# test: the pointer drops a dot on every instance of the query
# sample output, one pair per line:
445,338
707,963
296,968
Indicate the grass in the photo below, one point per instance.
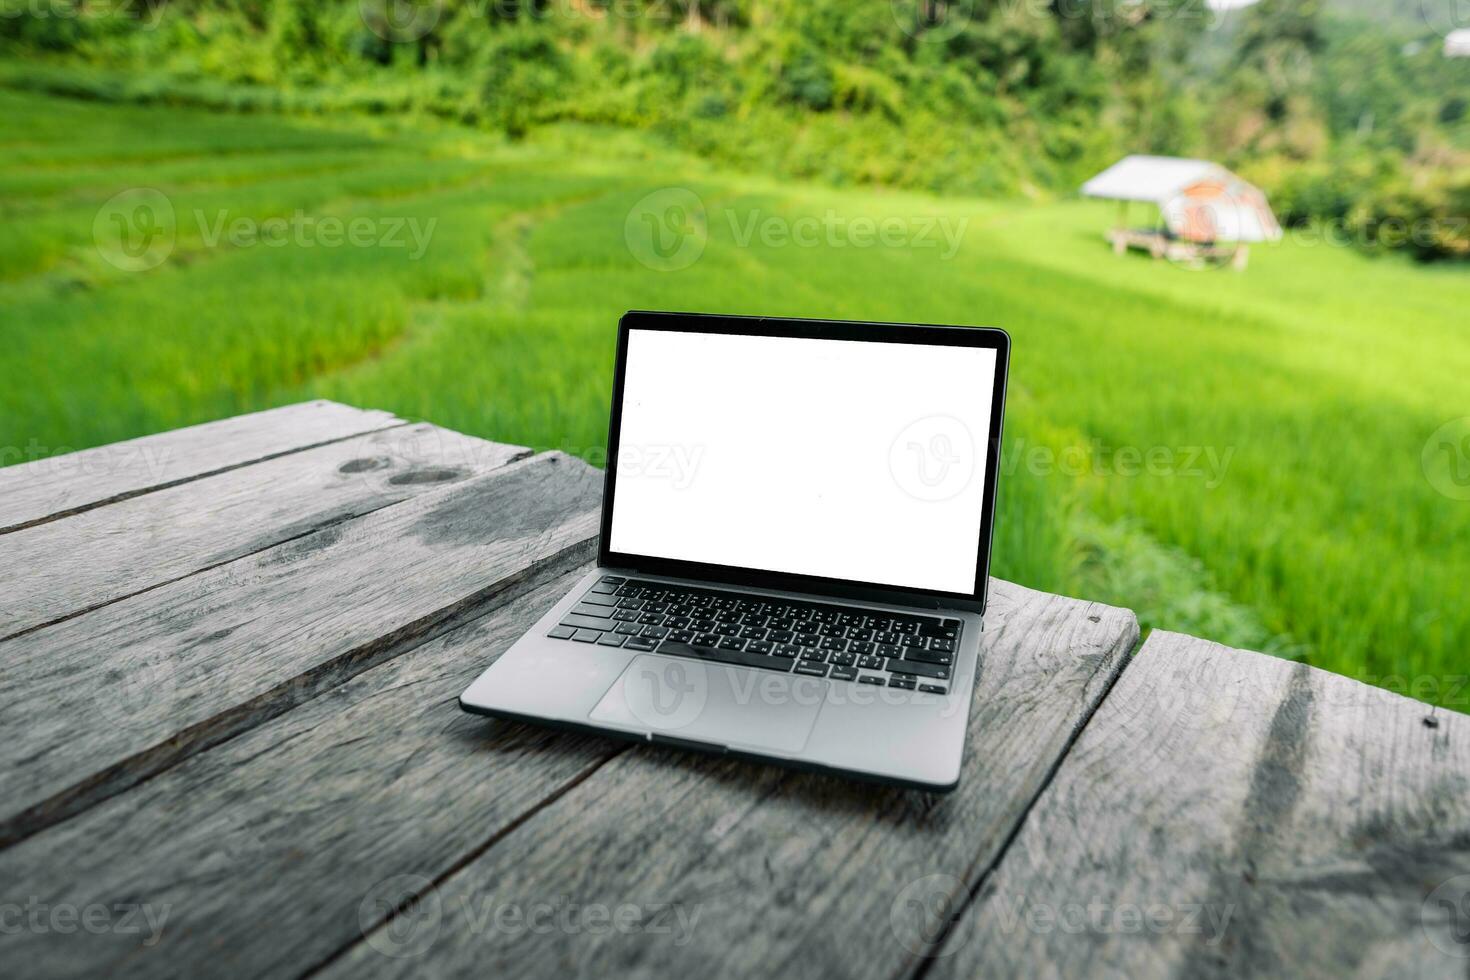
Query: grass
1236,456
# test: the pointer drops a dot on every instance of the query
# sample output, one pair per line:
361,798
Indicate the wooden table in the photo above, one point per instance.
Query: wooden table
231,747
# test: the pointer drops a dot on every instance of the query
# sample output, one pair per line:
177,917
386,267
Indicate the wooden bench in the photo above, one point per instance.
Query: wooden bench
1161,245
231,747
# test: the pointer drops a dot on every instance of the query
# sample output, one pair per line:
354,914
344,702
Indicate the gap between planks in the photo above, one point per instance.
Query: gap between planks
128,771
166,484
977,883
299,496
198,571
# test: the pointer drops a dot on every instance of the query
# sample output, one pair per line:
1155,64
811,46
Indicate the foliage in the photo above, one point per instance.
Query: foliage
1344,122
1004,96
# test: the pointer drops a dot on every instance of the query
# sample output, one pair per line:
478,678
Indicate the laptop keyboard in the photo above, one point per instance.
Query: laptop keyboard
863,646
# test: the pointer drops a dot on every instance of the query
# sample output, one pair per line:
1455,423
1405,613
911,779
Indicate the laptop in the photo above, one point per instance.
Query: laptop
795,549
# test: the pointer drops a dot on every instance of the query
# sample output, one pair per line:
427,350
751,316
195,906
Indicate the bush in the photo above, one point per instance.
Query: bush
523,73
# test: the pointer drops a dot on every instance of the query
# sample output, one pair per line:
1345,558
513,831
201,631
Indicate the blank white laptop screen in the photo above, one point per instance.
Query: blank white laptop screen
850,460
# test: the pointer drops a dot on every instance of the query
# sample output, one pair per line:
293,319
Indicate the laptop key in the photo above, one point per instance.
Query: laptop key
841,673
871,663
947,630
639,643
810,669
813,655
611,640
759,646
587,636
655,632
628,629
902,683
918,669
602,588
788,650
930,657
606,601
681,636
587,609
873,679
561,632
587,622
933,689
731,643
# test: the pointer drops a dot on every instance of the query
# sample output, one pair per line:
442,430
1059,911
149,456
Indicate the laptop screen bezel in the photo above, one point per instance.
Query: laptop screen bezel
890,333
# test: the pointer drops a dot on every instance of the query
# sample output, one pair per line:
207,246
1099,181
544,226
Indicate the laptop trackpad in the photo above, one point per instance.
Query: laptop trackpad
738,707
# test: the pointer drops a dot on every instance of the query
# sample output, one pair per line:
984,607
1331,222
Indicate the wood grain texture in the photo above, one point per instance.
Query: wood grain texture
73,482
721,868
67,566
1231,814
266,854
94,704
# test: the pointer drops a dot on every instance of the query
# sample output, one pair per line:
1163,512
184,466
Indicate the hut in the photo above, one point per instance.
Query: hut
1206,214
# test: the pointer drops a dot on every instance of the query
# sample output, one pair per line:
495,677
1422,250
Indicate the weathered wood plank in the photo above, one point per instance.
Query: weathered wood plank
60,568
761,872
261,856
72,482
1226,813
94,704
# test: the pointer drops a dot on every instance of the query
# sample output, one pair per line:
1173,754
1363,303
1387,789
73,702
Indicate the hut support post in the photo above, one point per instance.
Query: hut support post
1120,230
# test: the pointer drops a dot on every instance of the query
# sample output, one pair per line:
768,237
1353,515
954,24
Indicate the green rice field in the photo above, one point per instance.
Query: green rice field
1250,457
